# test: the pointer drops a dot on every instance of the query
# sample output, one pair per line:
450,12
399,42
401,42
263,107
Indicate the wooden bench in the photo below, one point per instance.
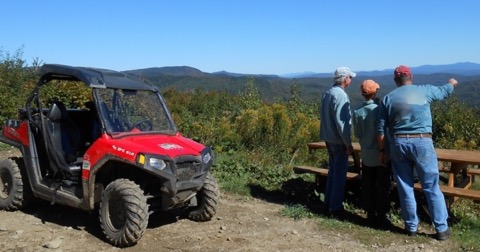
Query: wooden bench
301,169
467,176
461,167
454,191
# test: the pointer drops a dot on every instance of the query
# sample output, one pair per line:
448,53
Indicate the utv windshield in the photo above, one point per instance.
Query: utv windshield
133,111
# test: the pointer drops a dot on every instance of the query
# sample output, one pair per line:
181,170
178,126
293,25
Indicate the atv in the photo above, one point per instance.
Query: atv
121,155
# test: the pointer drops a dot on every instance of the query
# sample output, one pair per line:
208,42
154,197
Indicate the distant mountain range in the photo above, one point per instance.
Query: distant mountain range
274,87
463,68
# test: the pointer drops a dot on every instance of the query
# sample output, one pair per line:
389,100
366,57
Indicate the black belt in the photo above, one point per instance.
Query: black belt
414,135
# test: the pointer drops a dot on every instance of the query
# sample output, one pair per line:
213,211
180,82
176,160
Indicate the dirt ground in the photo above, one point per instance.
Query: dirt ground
241,224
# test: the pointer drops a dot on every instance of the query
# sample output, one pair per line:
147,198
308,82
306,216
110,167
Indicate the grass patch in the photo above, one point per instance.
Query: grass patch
296,211
236,185
4,147
466,226
466,233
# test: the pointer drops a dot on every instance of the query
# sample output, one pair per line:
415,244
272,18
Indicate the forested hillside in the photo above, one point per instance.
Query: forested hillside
275,88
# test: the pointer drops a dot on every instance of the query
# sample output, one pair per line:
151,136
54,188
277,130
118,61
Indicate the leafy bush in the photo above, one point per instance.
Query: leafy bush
72,94
16,79
456,125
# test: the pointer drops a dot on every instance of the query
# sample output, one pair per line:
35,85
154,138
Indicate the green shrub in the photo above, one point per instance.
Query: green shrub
16,80
456,125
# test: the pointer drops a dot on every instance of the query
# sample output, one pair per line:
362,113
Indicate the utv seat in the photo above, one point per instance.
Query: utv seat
65,136
94,124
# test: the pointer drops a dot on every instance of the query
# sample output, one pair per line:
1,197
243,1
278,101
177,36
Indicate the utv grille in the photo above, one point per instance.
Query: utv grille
187,170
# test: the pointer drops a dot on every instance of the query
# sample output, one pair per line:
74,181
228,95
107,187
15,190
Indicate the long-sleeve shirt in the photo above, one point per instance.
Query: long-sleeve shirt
364,122
335,117
406,110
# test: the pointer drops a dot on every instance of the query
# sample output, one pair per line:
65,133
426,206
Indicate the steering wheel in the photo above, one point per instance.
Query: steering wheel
143,125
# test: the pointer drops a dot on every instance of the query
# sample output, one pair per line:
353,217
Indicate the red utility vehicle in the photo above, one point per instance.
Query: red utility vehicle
122,155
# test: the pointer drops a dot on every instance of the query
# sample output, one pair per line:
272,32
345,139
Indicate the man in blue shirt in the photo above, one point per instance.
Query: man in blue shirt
406,113
376,180
335,130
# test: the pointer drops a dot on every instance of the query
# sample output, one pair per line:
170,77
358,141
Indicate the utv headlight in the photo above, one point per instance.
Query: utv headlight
152,163
157,163
206,158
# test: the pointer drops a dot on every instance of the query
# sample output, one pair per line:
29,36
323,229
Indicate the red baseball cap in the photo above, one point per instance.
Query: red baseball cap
402,71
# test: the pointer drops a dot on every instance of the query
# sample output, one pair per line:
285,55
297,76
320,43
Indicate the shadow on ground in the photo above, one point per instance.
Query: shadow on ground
89,221
66,216
309,194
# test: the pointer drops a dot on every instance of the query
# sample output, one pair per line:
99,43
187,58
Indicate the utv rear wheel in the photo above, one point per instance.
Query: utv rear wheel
11,186
123,213
208,200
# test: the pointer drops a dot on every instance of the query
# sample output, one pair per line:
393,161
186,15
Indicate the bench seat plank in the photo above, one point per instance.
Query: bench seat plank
455,191
473,171
300,169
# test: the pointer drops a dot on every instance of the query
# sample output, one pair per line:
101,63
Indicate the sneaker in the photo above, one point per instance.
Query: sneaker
443,235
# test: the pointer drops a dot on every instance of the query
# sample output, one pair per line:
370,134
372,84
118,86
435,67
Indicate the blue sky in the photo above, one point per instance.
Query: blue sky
255,37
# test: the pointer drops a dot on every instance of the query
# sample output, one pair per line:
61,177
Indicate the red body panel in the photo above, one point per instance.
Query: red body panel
129,147
18,134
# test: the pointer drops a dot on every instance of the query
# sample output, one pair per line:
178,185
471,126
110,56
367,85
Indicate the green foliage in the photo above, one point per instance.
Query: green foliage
241,170
247,127
72,94
251,97
16,79
256,143
4,147
241,121
456,125
467,227
231,175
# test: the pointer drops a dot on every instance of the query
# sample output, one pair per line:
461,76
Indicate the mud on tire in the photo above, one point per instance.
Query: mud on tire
123,213
13,191
208,200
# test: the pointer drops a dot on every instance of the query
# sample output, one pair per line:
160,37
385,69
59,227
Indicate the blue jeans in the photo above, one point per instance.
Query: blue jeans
337,176
406,155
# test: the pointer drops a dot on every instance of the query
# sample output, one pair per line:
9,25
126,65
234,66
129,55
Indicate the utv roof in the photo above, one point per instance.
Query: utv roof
93,77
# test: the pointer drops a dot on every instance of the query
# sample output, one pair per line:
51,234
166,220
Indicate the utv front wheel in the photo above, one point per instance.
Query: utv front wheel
11,186
123,213
208,199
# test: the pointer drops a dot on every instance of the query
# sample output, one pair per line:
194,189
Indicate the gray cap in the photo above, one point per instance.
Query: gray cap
344,72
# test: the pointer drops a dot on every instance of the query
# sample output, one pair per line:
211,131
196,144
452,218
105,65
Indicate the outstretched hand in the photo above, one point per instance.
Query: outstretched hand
453,81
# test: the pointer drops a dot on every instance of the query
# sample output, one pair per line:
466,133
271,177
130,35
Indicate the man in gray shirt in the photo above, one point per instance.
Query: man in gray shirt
335,130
